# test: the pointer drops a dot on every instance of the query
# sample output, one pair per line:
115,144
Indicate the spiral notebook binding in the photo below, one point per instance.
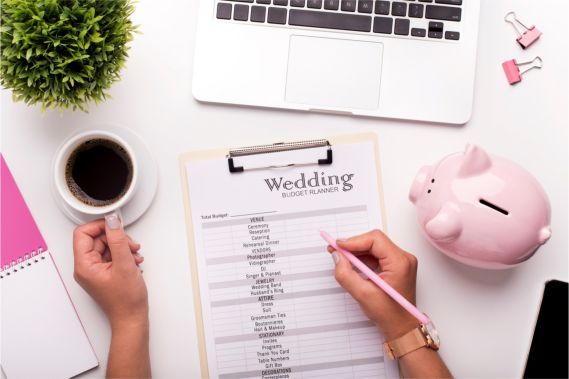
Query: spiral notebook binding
22,262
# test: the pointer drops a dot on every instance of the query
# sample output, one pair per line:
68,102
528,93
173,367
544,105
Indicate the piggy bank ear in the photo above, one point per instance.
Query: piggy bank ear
446,225
475,161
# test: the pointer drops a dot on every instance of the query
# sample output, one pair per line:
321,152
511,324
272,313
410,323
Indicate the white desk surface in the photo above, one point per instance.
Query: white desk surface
485,318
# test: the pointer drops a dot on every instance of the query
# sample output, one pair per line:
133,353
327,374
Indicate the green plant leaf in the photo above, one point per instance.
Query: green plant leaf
63,53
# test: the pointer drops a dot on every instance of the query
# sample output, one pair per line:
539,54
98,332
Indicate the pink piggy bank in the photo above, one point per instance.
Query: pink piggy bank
481,210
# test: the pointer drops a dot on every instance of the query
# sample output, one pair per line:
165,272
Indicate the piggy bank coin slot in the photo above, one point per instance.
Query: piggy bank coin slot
494,207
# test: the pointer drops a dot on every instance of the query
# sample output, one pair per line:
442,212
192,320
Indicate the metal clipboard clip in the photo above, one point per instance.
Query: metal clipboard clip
277,148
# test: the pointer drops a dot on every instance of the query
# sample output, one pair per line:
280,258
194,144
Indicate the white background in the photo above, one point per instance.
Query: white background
485,318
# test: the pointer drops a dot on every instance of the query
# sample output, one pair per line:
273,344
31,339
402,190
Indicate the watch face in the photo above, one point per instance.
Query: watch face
432,332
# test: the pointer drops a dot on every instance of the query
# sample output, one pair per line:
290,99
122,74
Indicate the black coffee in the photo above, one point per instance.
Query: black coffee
99,172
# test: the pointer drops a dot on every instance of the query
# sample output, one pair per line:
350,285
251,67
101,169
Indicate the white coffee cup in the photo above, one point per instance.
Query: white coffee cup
59,170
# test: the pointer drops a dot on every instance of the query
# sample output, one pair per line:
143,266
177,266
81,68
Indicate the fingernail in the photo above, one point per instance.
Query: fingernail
341,239
335,257
113,221
137,255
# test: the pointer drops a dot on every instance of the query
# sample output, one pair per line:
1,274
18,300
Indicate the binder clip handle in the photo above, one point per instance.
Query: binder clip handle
515,70
512,19
526,35
279,148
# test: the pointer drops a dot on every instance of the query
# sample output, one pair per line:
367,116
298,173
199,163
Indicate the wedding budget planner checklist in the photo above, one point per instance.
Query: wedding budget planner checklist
267,302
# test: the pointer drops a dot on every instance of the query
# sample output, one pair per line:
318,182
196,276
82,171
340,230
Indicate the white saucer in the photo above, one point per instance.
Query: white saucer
147,181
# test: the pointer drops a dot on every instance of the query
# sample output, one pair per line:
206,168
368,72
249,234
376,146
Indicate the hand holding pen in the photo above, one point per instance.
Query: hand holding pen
398,269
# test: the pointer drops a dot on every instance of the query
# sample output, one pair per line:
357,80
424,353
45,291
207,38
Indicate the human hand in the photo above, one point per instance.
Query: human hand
397,267
106,266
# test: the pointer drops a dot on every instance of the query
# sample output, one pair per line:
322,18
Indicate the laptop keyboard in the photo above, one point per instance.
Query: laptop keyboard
421,19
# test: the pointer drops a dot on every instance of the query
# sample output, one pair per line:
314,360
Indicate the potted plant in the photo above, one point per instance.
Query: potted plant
63,53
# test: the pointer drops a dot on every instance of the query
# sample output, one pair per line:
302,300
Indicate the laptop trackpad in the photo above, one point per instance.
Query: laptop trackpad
334,73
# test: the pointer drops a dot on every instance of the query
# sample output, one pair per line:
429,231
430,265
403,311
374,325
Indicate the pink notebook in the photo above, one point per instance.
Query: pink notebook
20,234
40,333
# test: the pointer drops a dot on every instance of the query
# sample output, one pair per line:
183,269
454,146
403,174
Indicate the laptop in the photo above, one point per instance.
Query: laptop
408,59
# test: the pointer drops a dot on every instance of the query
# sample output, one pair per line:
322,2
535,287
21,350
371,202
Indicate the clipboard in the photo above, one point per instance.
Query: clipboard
233,165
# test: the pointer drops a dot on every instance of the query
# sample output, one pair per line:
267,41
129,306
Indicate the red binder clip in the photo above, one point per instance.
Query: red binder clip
512,69
526,36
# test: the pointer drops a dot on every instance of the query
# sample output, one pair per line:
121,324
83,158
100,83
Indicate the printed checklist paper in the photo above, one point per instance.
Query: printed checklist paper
270,305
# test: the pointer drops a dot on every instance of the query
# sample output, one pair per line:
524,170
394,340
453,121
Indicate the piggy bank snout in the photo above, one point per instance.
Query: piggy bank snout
419,183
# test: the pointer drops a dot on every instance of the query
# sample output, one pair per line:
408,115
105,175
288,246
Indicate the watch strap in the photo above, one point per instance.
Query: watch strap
405,344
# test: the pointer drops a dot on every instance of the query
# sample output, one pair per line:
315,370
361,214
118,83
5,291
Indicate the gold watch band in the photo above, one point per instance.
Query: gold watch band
405,344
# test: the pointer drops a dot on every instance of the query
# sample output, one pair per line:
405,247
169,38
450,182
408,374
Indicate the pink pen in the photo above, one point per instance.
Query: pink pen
423,319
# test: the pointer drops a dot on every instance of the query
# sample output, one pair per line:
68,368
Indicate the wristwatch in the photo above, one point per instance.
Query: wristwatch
423,335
